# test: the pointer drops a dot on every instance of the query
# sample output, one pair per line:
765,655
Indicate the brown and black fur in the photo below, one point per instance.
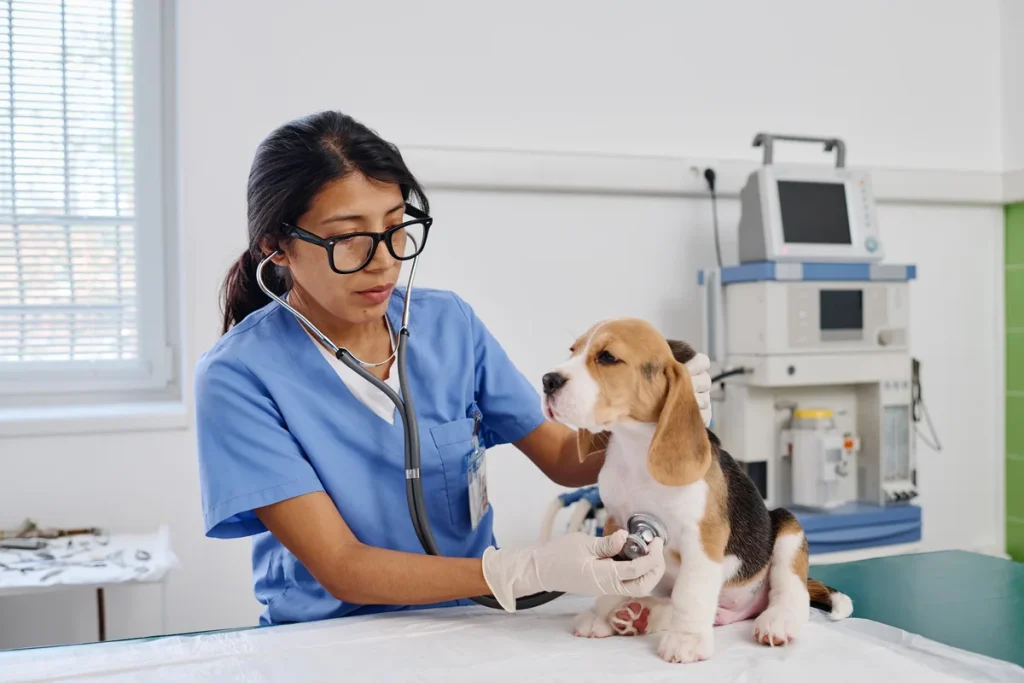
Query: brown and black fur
747,511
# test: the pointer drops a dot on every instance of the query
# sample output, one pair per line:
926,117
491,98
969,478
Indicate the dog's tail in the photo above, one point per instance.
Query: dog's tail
837,605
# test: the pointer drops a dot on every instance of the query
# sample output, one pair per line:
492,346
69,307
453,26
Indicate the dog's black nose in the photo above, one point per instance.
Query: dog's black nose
553,381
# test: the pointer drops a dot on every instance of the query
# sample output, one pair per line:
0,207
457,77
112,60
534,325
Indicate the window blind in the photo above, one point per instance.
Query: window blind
67,182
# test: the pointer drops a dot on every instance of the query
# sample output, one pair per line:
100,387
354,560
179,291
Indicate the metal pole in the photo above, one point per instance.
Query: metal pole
101,615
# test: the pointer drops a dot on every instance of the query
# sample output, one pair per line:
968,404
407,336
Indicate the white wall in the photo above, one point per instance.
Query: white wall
907,84
911,84
1012,32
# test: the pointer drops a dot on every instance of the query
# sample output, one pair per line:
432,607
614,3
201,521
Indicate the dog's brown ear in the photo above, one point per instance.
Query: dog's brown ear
681,351
680,452
588,443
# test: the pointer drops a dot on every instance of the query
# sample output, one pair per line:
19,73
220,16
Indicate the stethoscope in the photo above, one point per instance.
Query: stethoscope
642,528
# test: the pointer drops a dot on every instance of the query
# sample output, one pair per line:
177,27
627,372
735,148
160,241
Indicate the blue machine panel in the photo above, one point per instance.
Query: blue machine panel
852,526
820,272
859,525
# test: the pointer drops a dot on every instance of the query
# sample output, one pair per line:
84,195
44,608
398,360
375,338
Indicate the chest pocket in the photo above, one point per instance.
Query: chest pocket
454,443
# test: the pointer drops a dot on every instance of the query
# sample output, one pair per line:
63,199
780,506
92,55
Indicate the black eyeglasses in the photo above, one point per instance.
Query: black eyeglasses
351,252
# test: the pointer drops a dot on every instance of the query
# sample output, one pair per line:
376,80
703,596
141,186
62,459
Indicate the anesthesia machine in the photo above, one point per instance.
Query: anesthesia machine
819,397
812,330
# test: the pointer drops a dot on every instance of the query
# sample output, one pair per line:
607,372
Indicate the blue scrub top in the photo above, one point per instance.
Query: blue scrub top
275,421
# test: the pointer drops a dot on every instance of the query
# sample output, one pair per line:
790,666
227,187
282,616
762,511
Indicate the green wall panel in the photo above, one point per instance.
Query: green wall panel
1014,249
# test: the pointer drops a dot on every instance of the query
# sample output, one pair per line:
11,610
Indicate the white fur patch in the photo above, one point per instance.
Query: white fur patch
627,487
575,402
842,606
730,567
590,624
789,603
786,587
694,602
685,648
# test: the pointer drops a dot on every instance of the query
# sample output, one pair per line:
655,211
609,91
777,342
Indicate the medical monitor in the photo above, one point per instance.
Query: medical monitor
808,215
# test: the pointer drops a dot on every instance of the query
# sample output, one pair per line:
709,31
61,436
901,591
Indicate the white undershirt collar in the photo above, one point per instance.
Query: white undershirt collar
369,395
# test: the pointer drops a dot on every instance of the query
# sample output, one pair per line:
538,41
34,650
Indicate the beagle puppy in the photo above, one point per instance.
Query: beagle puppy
626,389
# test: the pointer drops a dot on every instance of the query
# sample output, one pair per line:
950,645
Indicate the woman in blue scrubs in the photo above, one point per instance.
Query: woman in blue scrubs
299,452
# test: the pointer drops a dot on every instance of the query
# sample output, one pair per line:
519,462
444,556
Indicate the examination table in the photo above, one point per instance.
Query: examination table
934,617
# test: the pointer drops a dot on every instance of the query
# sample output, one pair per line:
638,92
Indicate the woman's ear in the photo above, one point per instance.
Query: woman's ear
279,259
680,452
589,443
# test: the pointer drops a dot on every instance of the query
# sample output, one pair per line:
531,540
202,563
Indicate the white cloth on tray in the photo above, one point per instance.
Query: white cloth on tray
86,560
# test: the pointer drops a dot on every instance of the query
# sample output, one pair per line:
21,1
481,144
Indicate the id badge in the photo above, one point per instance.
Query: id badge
476,471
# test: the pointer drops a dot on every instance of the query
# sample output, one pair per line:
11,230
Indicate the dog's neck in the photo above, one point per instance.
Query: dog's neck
634,435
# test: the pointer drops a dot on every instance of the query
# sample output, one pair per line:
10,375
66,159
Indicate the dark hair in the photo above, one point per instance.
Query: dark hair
289,169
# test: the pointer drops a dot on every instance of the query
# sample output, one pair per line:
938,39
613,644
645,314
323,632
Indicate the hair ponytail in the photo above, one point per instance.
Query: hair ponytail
290,168
241,293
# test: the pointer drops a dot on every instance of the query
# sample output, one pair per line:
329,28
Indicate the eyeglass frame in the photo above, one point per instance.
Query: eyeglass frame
328,243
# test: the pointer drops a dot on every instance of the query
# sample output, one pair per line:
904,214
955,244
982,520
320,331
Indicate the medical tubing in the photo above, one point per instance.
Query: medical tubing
411,463
412,457
554,507
266,290
728,373
413,475
709,176
413,481
579,515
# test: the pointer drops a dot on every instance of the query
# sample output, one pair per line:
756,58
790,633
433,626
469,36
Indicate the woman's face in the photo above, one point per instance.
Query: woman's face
354,203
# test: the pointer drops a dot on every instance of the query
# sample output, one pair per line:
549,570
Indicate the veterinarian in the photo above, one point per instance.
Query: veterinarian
304,455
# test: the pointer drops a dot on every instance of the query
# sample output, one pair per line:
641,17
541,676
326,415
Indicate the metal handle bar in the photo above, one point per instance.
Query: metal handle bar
767,140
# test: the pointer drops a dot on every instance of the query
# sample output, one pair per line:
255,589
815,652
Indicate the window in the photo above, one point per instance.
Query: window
81,185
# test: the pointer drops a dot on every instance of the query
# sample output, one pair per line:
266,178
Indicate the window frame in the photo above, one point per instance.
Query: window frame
153,373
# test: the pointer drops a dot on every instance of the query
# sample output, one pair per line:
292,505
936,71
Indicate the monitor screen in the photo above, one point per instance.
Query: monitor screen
841,309
814,213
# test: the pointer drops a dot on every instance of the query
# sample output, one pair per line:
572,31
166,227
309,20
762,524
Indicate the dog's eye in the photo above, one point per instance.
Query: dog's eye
606,358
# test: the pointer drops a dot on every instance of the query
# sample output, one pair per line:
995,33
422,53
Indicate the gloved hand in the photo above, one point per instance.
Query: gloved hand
698,367
572,563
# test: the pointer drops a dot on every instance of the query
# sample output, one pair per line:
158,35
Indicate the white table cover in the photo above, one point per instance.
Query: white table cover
478,645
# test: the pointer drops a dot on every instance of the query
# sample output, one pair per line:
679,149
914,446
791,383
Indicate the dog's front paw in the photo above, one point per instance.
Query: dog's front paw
631,619
778,625
590,625
641,616
677,646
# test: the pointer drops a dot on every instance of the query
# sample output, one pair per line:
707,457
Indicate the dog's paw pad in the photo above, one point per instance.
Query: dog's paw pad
778,625
684,647
589,625
631,620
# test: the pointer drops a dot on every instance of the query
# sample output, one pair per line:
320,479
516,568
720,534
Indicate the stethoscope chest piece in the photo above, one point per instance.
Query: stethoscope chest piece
643,529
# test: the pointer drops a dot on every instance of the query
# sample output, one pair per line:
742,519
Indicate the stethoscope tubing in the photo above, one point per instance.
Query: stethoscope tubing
404,405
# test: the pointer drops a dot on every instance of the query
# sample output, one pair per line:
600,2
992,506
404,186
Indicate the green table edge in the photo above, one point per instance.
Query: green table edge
967,600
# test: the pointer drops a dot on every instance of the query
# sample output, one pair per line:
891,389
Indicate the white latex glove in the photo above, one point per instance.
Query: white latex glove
572,563
698,367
